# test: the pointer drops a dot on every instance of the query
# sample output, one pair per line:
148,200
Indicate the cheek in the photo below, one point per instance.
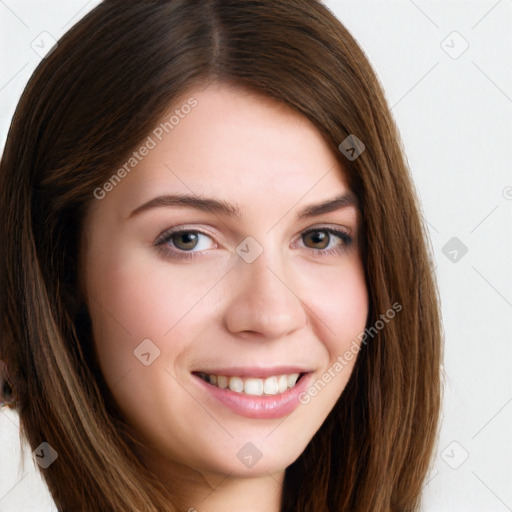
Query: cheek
341,312
134,303
341,304
145,296
128,304
134,298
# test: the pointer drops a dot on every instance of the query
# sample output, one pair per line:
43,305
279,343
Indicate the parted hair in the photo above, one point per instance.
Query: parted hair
85,109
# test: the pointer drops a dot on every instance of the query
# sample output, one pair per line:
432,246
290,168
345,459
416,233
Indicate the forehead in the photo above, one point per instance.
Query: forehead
237,145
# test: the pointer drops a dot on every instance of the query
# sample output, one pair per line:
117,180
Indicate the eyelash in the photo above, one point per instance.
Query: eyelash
163,239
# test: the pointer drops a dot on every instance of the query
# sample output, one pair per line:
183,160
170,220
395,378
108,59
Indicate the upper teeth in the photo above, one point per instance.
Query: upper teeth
253,386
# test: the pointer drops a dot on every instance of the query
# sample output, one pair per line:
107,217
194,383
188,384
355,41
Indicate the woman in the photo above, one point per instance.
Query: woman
292,363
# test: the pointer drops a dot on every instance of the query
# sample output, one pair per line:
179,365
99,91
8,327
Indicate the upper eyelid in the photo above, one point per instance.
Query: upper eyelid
188,228
161,238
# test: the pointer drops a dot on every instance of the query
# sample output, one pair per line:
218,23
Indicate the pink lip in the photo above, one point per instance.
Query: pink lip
256,372
264,406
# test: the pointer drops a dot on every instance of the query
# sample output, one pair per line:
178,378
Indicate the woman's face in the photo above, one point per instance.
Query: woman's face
246,300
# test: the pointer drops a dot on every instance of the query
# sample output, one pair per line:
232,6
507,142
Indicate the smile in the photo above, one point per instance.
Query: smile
272,385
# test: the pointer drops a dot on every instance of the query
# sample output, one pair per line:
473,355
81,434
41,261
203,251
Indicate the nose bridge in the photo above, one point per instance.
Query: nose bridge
263,299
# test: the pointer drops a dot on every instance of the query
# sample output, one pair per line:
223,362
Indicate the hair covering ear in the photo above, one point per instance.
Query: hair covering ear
7,391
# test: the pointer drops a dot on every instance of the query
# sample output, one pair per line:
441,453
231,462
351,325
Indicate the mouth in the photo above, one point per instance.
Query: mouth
255,392
255,386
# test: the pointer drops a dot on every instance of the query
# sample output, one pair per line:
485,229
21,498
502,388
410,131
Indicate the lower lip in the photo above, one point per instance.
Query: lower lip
263,406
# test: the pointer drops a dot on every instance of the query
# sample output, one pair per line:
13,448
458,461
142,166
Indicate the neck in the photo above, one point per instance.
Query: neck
257,494
197,491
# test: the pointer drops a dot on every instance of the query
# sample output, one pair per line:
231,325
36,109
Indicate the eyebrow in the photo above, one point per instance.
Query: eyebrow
214,205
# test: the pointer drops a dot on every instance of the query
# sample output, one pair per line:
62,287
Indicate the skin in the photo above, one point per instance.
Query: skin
217,310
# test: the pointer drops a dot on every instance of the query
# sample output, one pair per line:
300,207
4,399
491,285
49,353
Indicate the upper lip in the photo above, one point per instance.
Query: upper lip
254,371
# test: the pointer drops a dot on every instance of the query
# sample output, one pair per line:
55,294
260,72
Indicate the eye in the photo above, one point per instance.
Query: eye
183,241
327,240
191,243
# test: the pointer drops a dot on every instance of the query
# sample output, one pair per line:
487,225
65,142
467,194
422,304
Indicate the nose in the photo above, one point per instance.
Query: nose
263,302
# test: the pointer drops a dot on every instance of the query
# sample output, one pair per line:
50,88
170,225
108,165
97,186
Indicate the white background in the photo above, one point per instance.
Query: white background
455,118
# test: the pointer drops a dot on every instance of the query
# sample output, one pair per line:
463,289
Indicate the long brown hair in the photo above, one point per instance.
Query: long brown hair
85,109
